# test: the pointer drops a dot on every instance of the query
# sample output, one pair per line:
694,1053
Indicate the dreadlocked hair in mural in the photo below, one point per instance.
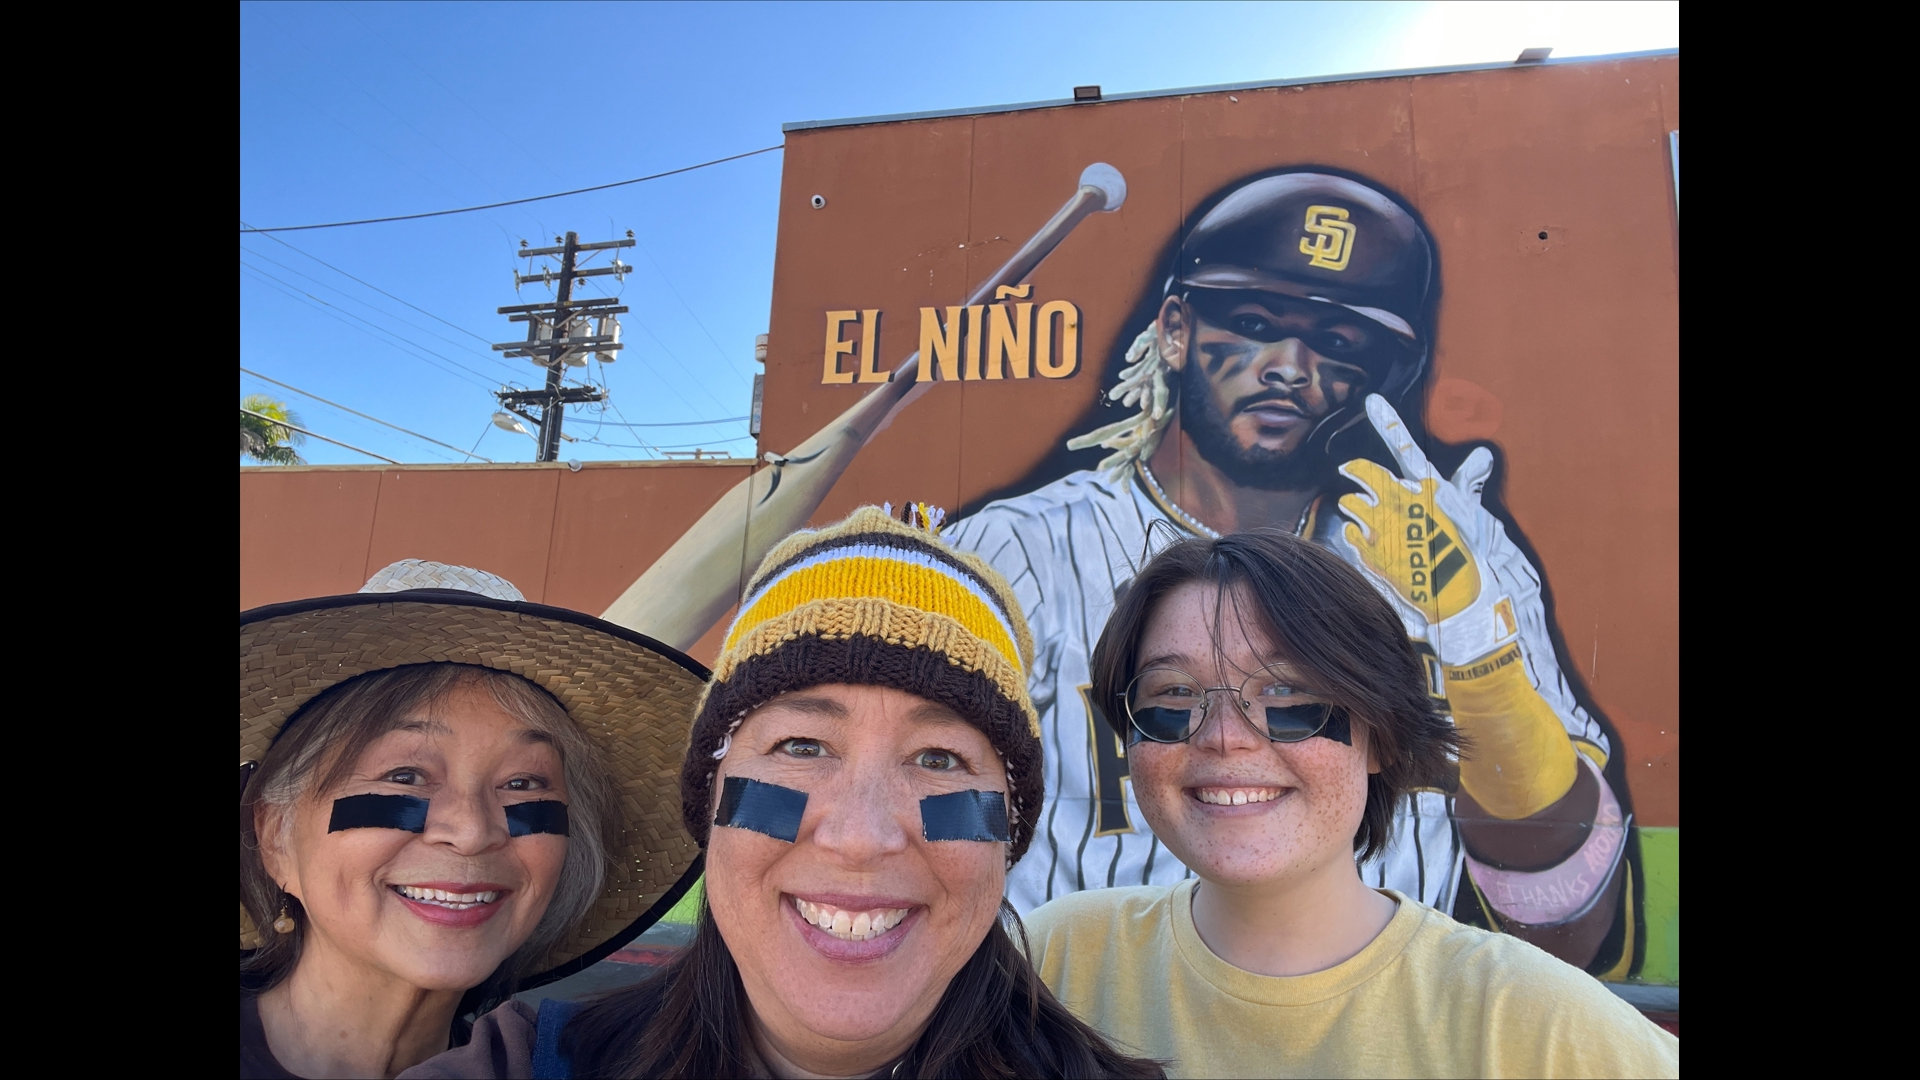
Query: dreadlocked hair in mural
1143,385
917,515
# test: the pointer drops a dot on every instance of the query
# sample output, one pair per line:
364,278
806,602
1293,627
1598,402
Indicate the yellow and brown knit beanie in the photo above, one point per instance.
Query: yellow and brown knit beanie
876,602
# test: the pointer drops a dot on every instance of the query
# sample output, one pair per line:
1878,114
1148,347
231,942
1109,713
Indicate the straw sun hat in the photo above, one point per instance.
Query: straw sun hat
632,696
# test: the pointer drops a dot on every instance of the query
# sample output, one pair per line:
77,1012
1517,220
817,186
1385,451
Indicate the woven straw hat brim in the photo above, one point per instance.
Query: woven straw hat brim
634,697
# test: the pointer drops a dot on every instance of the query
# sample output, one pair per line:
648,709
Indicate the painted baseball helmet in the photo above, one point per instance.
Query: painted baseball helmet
1315,236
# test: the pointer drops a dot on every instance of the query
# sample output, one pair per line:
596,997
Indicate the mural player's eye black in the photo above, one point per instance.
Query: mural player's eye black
1332,344
1257,327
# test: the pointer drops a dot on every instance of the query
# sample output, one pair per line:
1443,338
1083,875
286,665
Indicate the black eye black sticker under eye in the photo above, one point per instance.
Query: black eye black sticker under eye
409,814
403,812
541,816
761,808
964,815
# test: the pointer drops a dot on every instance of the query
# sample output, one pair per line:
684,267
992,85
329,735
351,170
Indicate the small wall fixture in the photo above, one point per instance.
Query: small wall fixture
1533,56
1086,93
819,202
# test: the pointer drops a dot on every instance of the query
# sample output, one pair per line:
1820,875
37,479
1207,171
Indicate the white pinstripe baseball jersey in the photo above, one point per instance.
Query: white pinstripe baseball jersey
1067,548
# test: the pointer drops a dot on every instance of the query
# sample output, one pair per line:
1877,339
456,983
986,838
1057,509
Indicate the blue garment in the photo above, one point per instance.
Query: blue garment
549,1062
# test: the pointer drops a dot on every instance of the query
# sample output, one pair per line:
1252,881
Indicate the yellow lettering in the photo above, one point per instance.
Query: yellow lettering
836,348
870,347
1010,339
939,345
1069,340
976,316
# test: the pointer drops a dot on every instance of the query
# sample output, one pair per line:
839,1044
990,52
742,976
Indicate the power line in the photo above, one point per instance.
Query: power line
676,446
514,202
375,288
317,435
377,308
558,332
376,326
616,408
689,307
361,415
681,423
334,313
334,69
685,368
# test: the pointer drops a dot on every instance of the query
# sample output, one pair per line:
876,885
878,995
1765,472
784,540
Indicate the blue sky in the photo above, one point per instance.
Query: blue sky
365,110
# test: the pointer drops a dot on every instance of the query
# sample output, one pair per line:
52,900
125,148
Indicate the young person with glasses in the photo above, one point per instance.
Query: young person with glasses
1274,712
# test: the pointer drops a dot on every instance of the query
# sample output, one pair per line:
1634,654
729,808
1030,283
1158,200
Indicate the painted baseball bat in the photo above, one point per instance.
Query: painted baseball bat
695,581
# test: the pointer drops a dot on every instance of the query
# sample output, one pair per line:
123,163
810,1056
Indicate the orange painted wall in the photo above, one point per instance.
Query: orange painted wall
1565,353
571,539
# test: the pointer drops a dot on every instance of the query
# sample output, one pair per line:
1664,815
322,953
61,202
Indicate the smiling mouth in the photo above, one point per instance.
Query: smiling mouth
850,925
1236,796
441,898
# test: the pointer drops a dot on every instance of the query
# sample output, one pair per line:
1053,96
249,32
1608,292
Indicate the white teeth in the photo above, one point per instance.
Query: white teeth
443,898
849,925
1235,796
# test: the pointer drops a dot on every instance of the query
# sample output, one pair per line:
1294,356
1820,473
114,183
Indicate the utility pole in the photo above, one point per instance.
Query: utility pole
558,336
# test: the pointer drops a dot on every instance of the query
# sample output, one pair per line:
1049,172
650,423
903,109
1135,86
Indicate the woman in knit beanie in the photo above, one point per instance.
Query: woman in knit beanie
864,768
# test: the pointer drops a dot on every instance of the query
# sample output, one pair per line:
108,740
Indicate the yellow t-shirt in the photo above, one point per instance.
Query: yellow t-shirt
1428,997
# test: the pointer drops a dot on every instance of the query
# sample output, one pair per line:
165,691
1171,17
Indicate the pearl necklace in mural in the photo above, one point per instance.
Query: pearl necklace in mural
1195,525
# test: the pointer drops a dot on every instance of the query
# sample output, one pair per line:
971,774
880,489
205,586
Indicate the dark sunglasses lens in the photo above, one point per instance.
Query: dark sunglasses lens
1292,723
1163,725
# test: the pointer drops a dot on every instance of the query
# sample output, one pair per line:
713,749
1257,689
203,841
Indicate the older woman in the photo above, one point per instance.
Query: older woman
863,770
424,828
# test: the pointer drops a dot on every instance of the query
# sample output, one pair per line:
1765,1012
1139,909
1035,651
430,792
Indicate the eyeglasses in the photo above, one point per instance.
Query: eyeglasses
1167,705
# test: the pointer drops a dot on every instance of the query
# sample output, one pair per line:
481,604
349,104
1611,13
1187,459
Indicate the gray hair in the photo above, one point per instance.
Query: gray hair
317,749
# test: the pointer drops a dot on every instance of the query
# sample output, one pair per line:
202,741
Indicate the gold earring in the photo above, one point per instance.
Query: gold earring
284,924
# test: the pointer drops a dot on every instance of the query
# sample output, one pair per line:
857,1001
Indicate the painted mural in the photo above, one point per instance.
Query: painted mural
1273,377
1262,360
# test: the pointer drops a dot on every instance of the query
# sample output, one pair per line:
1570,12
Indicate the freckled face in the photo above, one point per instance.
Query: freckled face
1299,804
442,908
902,914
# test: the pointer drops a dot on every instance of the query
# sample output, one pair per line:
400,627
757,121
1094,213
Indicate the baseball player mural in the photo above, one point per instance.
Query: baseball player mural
1273,388
1274,379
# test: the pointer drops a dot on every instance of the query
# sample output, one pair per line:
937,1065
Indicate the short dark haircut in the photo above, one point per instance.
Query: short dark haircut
1326,619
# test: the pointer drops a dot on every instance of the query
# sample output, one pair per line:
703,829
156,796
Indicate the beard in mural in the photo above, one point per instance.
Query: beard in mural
1249,415
1295,323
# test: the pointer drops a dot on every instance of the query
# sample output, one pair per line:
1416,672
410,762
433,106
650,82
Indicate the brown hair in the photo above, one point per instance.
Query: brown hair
996,1019
1323,616
317,750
